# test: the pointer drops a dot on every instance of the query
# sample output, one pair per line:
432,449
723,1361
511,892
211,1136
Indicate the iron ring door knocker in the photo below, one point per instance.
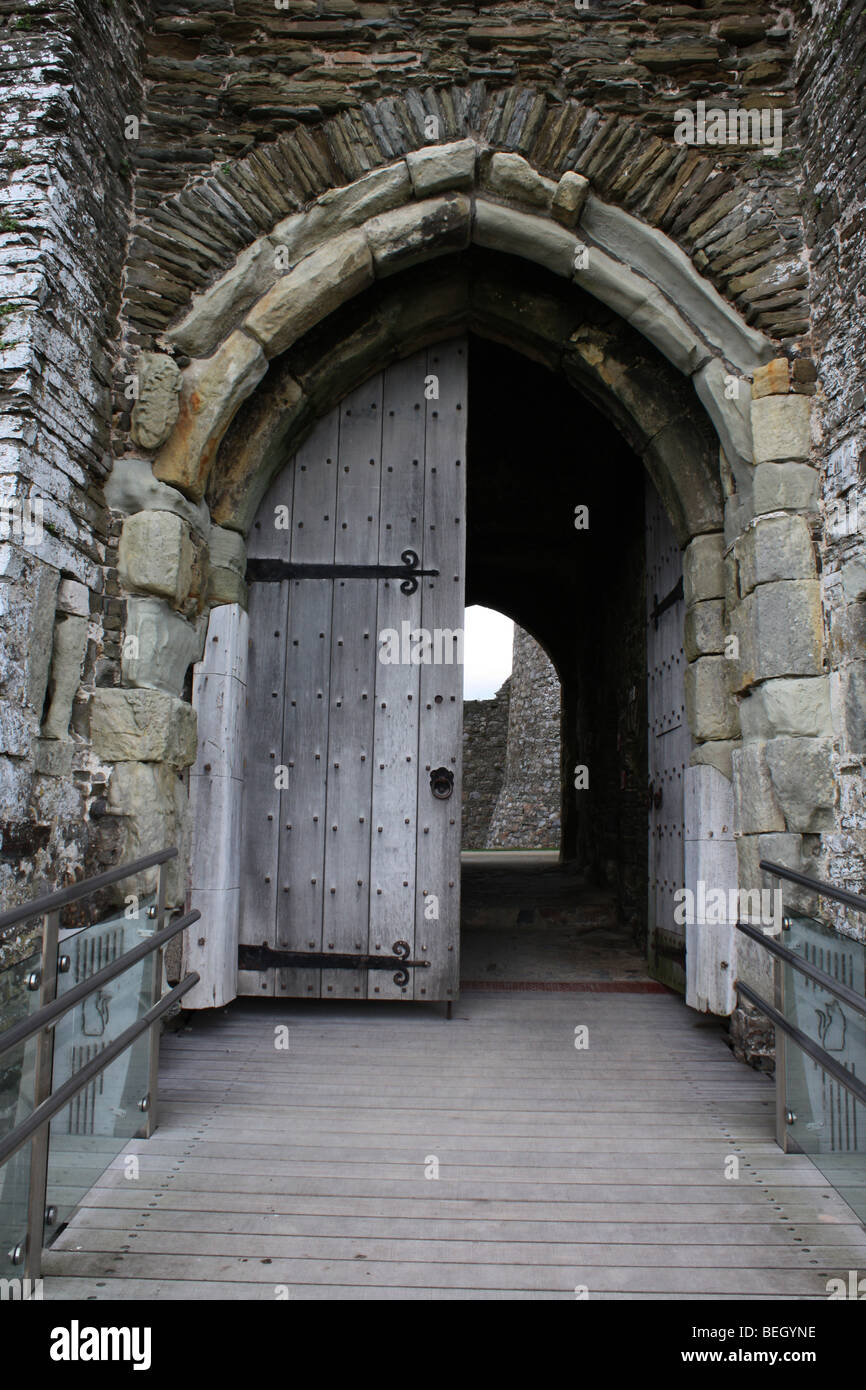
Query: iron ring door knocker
441,783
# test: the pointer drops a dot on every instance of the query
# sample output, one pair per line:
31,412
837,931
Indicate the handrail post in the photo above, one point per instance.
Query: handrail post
781,1051
42,1085
155,993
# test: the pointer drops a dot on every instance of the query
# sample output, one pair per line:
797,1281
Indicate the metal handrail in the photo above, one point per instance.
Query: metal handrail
774,1013
826,890
856,1001
50,1013
67,1092
35,1129
814,1050
52,902
56,1101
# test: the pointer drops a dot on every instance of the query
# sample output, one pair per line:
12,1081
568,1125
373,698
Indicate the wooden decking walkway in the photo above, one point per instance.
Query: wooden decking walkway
302,1173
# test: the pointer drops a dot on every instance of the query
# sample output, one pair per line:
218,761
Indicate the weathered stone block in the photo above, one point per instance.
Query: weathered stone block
304,296
218,309
511,176
412,234
155,555
754,963
151,802
847,633
53,757
340,209
802,773
704,629
659,321
717,753
797,705
133,488
255,448
569,198
70,642
156,409
73,598
792,851
227,550
804,376
142,726
212,390
784,487
775,548
710,709
31,625
773,379
521,234
159,645
779,631
440,167
703,569
780,428
853,684
756,808
854,580
15,733
656,257
732,417
226,586
610,281
686,485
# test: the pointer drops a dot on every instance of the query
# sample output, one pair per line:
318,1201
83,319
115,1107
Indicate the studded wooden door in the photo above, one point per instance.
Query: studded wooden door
669,741
354,714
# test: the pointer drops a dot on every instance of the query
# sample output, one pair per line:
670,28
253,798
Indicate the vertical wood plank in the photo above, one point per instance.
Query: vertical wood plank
395,745
353,684
669,744
441,693
263,750
305,723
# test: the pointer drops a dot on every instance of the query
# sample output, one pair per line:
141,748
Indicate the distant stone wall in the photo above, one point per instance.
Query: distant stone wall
485,744
527,812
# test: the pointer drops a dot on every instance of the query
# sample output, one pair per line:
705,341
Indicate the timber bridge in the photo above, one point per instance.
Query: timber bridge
551,1140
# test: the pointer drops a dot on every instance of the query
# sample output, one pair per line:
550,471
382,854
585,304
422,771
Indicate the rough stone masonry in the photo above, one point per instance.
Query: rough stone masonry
155,159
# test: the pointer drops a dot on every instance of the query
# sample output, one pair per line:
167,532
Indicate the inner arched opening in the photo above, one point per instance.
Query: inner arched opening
555,540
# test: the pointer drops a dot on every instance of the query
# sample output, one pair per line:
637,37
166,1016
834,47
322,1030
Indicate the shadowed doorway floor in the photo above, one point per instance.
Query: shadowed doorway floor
526,918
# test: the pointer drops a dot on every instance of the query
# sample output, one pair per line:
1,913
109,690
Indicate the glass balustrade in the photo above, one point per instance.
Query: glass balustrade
93,1129
19,997
823,1119
76,1090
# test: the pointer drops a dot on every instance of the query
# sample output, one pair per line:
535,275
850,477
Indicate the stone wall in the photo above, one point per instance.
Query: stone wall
485,747
253,109
66,193
527,811
832,97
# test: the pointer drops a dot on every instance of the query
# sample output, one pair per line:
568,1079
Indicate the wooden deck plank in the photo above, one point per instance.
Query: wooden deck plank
557,1167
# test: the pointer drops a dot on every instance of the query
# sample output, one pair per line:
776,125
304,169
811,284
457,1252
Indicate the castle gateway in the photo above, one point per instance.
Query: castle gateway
340,321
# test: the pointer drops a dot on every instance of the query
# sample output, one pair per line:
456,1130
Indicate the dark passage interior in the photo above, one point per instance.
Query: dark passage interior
536,452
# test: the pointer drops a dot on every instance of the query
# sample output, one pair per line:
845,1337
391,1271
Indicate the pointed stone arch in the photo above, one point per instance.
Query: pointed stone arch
457,236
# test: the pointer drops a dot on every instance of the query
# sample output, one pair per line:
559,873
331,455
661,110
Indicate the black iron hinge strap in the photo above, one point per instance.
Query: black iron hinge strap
270,958
275,571
667,602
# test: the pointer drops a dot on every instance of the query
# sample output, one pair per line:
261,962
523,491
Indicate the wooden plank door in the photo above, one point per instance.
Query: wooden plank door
355,697
669,741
